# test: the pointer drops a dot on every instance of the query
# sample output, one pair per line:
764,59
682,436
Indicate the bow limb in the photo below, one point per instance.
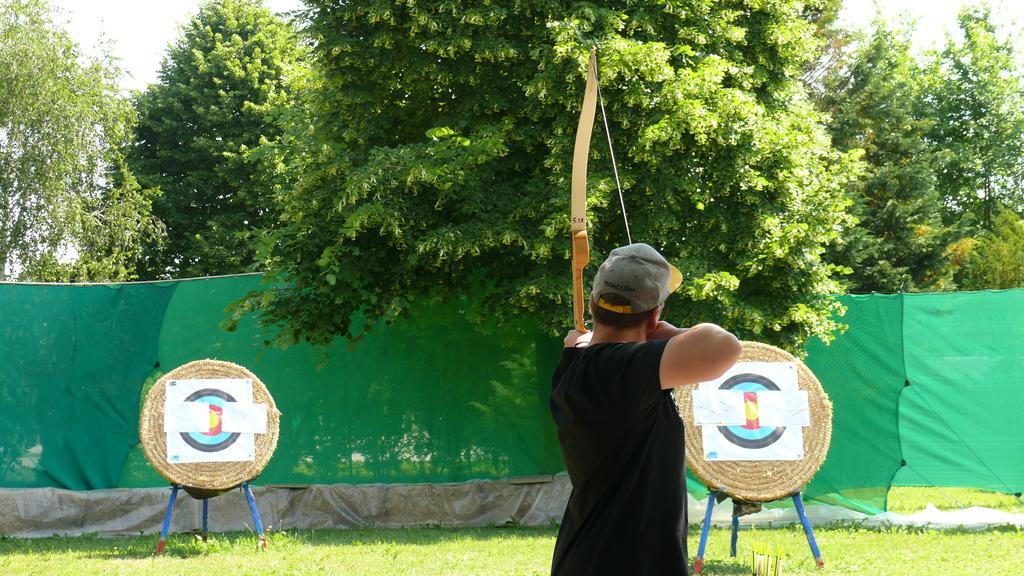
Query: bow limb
581,152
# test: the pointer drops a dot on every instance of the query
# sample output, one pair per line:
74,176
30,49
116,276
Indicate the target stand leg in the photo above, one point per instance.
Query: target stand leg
167,520
206,517
735,535
808,531
255,514
705,528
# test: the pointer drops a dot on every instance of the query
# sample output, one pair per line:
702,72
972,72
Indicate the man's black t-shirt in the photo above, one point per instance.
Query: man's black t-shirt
622,441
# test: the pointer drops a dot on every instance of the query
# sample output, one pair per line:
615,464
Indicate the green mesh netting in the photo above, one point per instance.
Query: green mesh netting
436,399
862,372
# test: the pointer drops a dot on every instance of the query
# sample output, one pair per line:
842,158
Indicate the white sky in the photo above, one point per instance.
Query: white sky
935,18
140,30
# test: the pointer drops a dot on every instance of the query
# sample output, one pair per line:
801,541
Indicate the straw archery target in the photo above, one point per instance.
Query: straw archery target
761,431
209,425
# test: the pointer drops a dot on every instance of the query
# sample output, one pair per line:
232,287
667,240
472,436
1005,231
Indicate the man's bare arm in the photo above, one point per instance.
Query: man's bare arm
575,339
696,354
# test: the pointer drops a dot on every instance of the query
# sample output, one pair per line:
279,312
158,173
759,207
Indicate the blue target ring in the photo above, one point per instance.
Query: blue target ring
744,437
207,442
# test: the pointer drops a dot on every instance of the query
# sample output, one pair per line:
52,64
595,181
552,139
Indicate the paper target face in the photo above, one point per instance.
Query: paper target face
212,420
214,439
755,411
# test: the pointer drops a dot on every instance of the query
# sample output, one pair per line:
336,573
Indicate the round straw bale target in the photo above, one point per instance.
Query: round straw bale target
213,475
763,480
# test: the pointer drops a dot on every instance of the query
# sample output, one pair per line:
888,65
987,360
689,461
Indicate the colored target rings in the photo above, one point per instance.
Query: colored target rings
751,435
213,440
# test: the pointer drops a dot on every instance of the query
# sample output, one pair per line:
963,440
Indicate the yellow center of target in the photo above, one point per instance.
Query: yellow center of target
751,410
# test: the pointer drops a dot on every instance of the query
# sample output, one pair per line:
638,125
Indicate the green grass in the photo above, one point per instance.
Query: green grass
350,552
501,551
909,500
526,551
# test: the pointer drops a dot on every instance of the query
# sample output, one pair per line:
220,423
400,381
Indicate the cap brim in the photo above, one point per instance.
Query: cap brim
675,278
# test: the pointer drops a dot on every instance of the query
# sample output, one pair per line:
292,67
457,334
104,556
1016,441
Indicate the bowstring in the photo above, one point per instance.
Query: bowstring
611,152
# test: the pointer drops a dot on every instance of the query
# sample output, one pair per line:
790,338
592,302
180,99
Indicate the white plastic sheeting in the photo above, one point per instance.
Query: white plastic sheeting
974,517
38,512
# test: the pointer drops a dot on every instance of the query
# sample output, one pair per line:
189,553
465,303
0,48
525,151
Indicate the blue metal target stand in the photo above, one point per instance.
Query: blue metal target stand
705,529
205,495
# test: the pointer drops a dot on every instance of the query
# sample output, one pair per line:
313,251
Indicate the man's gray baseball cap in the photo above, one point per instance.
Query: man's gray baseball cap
639,274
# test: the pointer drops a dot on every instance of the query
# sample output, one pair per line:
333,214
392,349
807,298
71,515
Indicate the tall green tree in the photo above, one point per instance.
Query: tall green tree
976,96
209,135
440,148
899,242
69,208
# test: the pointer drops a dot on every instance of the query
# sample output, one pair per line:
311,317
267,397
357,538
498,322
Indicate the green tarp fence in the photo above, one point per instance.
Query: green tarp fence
435,398
927,390
429,400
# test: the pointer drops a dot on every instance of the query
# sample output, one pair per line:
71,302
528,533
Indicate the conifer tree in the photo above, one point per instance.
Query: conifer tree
899,240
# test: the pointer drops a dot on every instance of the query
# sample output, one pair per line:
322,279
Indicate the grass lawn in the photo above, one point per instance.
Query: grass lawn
521,551
909,500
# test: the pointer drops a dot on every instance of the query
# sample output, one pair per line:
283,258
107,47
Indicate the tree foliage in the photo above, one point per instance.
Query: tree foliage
996,260
833,43
899,242
439,155
69,208
975,95
209,135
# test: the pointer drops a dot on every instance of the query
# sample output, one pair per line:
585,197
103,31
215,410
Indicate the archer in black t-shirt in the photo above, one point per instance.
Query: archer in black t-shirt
618,426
